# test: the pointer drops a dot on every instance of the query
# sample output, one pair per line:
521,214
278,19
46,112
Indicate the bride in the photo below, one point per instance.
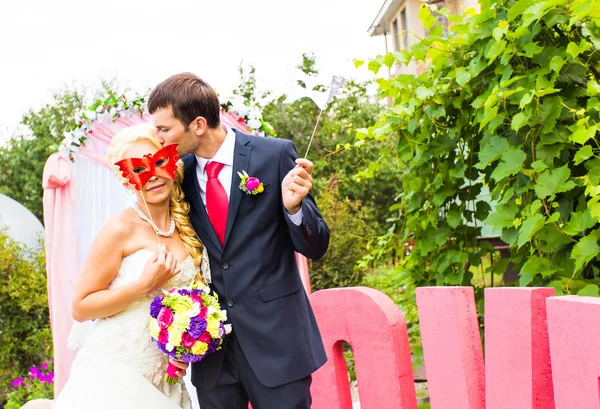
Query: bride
119,366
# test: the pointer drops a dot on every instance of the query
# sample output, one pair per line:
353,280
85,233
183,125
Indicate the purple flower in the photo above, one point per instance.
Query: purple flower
183,291
44,365
212,347
17,382
188,358
162,348
156,306
197,292
34,371
197,327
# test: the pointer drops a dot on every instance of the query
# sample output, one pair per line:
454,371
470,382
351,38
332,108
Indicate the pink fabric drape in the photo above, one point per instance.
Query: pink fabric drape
62,263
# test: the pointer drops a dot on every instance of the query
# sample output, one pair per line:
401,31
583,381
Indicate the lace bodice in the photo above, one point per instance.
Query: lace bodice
124,337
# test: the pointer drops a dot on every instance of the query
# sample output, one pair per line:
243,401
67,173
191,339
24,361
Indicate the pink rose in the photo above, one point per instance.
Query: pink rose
252,183
163,337
187,340
197,298
205,337
203,312
165,317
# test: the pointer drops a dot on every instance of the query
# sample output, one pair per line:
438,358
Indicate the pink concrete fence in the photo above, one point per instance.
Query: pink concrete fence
541,351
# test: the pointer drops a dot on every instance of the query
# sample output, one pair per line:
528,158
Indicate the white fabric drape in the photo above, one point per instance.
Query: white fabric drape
98,196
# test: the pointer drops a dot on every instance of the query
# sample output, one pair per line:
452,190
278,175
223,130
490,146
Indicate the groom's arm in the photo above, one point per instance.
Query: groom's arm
311,236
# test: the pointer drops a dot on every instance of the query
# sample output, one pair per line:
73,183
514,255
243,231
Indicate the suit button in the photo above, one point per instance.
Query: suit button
230,303
225,266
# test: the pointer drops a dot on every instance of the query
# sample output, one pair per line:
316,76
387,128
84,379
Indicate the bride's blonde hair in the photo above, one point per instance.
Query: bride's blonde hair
177,205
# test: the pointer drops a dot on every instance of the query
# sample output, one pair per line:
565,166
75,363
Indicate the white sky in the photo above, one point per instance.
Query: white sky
46,44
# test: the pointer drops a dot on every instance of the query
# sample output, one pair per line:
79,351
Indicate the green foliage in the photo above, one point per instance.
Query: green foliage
349,235
349,358
508,103
25,339
247,88
22,160
38,384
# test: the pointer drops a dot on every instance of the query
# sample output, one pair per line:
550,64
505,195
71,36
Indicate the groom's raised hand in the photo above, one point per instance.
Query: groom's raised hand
296,185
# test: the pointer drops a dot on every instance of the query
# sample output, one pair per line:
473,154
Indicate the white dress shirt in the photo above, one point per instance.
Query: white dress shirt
225,156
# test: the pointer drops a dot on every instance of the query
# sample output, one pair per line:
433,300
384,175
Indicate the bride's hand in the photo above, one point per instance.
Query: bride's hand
159,269
181,365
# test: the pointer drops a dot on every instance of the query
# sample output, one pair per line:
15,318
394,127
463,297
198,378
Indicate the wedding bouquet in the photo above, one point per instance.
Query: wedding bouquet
187,324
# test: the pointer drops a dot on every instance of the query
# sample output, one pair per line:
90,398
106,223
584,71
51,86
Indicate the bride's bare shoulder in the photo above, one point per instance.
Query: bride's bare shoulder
120,224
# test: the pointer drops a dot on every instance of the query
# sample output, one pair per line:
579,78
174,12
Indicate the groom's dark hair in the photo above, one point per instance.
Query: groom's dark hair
189,97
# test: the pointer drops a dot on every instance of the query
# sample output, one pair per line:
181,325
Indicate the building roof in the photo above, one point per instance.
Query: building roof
384,17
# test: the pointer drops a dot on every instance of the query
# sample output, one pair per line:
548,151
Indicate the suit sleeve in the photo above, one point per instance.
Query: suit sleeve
311,237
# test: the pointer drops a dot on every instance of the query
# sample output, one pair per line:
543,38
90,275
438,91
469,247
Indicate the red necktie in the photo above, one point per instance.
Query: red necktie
217,204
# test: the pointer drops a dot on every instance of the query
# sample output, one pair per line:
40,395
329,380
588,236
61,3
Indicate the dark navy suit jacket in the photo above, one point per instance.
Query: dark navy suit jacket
255,273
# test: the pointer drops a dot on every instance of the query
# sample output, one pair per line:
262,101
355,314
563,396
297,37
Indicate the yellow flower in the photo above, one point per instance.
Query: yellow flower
199,348
213,328
175,337
154,328
212,322
211,312
260,188
180,322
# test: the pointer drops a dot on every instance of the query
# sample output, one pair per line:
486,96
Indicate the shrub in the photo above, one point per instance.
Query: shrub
25,338
349,237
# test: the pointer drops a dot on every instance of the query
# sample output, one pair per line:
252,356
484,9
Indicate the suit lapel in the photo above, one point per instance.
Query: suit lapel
241,160
196,199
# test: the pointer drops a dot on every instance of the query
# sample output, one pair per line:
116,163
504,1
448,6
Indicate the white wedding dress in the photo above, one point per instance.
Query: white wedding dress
118,366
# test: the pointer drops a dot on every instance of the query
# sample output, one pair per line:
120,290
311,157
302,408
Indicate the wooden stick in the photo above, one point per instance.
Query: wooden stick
313,134
150,216
311,138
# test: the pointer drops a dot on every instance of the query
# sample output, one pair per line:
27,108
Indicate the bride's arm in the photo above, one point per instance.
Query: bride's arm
92,299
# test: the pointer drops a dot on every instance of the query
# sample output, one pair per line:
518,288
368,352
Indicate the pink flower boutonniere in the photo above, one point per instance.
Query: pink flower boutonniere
249,184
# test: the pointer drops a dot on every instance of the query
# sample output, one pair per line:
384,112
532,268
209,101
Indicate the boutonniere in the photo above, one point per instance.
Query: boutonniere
249,184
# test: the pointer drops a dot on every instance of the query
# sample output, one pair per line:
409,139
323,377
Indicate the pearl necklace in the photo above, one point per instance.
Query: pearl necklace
158,231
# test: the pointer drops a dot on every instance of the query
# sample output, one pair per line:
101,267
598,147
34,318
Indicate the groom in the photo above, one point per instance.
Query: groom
275,345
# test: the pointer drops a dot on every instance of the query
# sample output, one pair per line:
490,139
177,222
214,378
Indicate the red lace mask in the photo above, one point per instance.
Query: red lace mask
138,171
